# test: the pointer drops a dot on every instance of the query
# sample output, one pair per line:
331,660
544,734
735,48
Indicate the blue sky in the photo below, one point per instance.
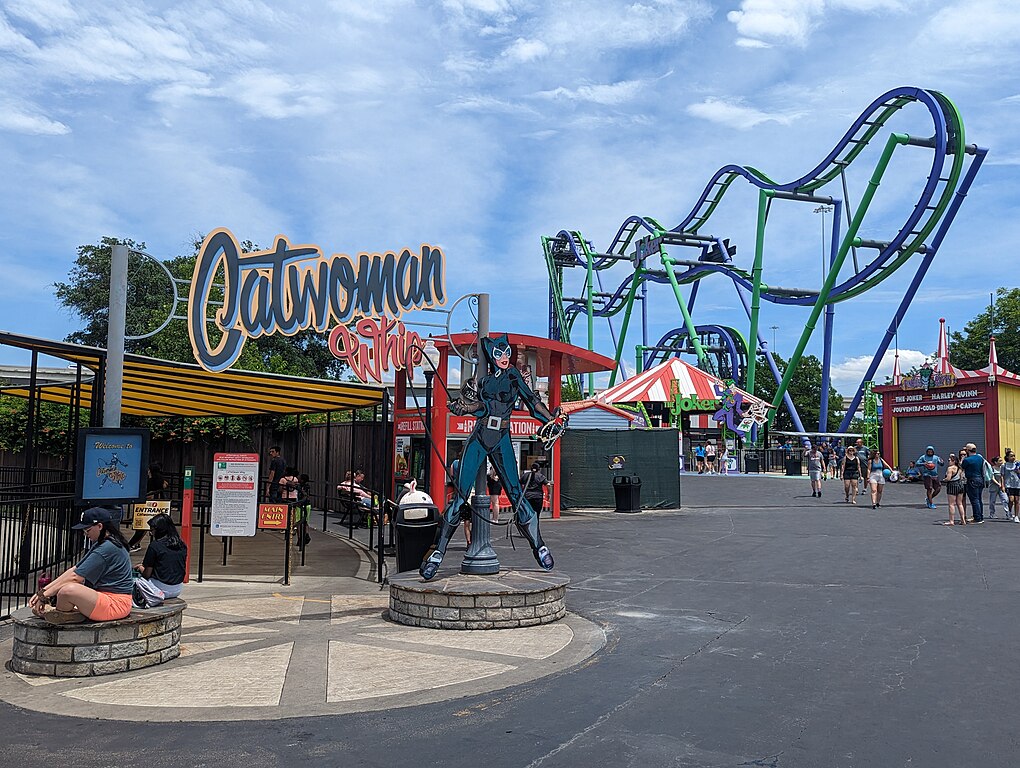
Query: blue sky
480,125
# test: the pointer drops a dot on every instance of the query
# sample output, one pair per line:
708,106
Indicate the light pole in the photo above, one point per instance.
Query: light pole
430,358
774,329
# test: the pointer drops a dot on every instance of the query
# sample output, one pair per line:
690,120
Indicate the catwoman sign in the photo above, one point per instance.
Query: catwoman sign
292,288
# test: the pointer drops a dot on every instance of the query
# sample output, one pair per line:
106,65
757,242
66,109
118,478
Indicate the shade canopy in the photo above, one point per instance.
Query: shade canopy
154,387
656,385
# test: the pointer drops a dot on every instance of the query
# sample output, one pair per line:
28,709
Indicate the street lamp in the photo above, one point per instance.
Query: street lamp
823,209
430,360
774,329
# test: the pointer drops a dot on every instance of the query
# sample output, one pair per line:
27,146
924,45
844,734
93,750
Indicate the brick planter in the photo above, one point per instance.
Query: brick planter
456,601
145,638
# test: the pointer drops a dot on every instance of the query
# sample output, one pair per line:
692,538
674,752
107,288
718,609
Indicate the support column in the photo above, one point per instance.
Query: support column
115,330
555,396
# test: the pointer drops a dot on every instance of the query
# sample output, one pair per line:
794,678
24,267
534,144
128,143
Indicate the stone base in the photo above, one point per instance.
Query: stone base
145,638
453,600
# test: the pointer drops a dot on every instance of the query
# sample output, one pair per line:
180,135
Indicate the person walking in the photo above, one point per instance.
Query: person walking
1011,482
723,456
826,451
996,490
815,467
276,469
862,454
699,458
877,467
929,464
974,468
710,458
851,471
954,490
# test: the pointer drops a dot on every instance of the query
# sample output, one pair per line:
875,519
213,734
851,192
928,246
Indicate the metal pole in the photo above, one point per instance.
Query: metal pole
759,250
325,466
827,320
116,322
480,558
427,464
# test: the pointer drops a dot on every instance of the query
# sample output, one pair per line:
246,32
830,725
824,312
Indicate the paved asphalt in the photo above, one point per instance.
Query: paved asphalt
757,627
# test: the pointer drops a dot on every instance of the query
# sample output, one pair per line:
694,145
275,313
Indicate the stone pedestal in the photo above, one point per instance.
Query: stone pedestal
512,598
145,638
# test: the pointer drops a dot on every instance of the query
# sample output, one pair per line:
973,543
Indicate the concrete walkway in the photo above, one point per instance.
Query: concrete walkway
254,650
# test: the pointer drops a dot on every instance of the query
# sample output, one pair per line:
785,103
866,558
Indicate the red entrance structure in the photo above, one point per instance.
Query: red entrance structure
546,359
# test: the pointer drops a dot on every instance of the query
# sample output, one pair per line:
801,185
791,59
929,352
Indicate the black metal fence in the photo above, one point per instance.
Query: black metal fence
35,538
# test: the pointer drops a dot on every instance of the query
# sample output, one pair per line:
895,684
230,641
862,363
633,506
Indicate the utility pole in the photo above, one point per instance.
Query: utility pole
115,330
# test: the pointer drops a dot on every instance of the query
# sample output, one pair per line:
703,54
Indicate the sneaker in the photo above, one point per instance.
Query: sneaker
136,547
1016,519
544,558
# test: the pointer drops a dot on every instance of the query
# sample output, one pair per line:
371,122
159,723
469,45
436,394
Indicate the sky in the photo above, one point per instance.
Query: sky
481,125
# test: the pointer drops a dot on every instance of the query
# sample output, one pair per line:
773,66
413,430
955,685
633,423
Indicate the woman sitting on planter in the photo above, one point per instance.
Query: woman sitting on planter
99,587
166,557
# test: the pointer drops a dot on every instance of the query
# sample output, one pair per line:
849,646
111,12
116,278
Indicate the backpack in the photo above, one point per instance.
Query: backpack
988,472
145,594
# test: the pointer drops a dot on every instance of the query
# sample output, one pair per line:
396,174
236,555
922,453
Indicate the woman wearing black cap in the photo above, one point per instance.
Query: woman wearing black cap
99,587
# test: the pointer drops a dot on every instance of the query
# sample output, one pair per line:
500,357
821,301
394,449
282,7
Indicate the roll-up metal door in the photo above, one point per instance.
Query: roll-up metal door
947,433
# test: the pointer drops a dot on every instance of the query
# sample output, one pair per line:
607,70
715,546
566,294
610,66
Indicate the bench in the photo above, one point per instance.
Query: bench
145,638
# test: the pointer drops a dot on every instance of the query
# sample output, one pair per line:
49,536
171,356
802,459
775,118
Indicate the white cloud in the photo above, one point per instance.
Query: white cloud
268,94
609,94
986,24
735,114
522,51
792,21
20,120
847,374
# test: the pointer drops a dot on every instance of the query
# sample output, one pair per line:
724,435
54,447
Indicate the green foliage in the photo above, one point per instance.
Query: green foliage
571,390
51,429
150,299
969,348
805,390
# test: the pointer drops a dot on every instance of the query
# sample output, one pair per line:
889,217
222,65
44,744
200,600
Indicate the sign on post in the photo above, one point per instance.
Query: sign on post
111,465
273,516
141,514
235,494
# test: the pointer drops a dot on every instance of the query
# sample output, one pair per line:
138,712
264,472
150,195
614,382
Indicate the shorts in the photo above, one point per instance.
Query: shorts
111,606
1013,492
815,474
851,476
465,513
931,483
877,477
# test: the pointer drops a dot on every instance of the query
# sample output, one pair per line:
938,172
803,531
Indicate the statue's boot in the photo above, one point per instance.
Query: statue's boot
529,531
434,557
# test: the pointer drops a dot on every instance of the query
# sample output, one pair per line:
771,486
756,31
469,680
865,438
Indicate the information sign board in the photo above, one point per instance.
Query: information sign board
111,465
235,494
141,514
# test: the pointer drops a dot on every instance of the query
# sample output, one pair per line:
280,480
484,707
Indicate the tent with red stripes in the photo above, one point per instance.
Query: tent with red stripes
656,385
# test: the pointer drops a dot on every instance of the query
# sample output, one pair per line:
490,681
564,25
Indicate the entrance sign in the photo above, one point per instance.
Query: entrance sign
273,516
235,494
141,514
289,289
111,465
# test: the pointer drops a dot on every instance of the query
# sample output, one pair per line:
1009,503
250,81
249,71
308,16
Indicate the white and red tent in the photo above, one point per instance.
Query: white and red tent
992,371
656,385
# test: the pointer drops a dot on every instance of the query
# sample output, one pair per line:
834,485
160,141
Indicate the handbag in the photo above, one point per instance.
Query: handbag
145,594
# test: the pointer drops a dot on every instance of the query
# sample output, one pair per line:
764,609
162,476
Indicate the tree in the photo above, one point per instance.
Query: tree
969,348
805,390
86,294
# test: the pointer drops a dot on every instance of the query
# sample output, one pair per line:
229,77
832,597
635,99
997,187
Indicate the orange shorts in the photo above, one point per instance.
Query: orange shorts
110,606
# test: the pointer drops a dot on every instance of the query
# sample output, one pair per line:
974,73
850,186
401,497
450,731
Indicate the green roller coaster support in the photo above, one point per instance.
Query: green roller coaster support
896,139
764,196
626,322
667,264
870,417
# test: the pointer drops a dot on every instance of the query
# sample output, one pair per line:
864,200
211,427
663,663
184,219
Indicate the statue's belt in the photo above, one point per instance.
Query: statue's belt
495,422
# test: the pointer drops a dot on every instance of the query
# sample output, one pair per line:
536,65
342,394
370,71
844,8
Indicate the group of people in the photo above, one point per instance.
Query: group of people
103,584
854,464
710,459
968,475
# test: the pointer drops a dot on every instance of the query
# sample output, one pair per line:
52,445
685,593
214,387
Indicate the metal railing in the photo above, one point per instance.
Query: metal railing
35,538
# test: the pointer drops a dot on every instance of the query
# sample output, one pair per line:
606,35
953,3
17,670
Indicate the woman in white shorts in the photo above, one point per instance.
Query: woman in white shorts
876,476
815,464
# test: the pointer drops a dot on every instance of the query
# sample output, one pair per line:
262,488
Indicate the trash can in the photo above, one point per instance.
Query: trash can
415,527
752,462
627,489
794,466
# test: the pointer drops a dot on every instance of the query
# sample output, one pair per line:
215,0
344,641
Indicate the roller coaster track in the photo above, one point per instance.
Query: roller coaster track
641,238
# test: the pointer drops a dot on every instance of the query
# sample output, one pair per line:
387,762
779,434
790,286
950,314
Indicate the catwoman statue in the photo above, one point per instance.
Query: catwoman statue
492,400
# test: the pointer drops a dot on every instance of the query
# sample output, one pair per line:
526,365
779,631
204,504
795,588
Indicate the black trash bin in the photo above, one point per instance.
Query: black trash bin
794,466
415,527
752,462
627,489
